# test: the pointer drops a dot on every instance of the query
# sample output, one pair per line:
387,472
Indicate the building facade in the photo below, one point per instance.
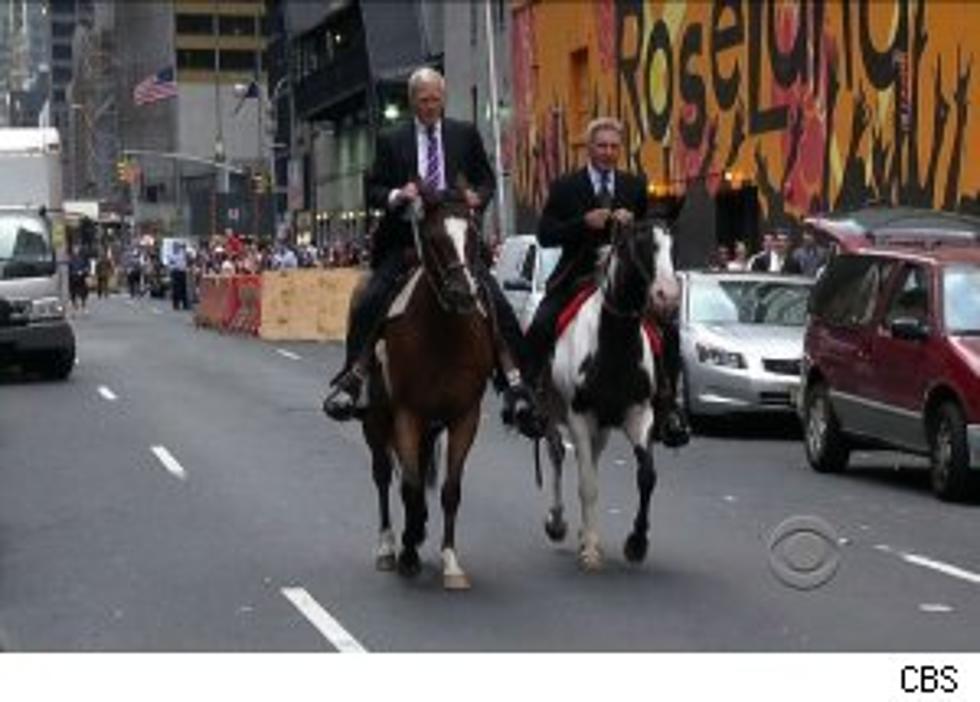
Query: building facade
808,106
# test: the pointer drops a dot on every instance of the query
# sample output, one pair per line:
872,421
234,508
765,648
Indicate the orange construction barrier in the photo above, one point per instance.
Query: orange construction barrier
247,315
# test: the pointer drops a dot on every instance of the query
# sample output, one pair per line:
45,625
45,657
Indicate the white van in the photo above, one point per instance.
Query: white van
522,271
33,330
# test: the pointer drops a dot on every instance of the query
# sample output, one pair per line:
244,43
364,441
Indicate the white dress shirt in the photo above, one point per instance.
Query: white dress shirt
595,175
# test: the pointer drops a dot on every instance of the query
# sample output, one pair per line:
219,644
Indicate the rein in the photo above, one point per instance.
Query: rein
415,215
619,234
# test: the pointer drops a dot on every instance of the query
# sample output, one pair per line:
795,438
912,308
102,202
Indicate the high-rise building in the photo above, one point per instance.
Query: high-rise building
215,50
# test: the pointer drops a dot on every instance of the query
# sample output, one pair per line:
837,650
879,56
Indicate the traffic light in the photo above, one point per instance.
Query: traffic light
259,183
122,170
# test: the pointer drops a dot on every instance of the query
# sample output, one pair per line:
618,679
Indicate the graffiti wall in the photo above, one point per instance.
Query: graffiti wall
821,104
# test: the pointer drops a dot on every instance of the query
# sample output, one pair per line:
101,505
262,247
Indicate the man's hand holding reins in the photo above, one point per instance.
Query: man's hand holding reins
597,219
623,216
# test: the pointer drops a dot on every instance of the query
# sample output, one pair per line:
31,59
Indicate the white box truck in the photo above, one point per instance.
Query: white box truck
34,332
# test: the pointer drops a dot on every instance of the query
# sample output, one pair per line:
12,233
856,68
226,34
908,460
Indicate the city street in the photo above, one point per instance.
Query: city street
182,491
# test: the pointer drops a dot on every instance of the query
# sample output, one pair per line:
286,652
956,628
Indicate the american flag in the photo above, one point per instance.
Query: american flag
160,86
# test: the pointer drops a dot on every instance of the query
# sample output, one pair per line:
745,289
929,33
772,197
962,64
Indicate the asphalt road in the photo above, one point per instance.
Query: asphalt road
183,492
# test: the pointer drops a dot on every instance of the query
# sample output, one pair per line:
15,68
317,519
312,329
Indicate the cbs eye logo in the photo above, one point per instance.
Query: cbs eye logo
804,552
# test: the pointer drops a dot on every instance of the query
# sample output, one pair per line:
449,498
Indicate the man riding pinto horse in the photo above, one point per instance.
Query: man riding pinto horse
429,155
581,209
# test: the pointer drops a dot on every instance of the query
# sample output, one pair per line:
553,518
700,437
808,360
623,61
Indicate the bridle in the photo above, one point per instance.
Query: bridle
436,270
623,237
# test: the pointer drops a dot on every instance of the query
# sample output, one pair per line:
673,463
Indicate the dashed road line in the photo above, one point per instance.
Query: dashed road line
289,354
169,462
320,618
108,394
932,564
935,608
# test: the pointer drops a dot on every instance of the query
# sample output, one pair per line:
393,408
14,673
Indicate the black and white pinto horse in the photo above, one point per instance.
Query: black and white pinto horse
602,378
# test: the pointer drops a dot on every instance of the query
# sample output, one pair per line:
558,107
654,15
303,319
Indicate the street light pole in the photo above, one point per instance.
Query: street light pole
495,119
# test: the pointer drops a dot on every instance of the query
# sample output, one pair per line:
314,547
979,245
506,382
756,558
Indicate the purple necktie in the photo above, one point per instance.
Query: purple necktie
432,159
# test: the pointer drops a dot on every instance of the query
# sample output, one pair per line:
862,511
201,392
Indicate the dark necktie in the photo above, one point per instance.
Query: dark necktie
432,160
604,194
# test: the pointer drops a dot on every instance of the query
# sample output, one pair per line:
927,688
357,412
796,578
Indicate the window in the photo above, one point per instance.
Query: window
238,61
195,59
961,289
236,25
61,52
59,95
60,74
849,291
911,298
195,24
62,30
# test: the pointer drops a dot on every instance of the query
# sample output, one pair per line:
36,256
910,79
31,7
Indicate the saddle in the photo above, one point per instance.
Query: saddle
569,312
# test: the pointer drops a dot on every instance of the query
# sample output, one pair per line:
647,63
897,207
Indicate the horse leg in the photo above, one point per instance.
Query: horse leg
461,435
555,526
590,554
384,556
639,430
408,440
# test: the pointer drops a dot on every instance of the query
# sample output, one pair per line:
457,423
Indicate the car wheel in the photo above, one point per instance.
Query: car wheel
951,476
826,446
54,365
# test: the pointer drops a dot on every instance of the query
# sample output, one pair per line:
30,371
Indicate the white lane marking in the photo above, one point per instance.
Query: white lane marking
935,608
932,564
107,393
289,354
320,618
169,462
156,311
730,498
939,566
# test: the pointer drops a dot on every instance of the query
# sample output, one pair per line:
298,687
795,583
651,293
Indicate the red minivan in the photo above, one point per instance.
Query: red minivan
891,360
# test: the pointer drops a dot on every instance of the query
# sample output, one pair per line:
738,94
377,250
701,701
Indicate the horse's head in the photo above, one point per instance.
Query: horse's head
640,269
448,244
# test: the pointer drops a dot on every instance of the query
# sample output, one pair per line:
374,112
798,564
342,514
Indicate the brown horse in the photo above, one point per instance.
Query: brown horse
434,358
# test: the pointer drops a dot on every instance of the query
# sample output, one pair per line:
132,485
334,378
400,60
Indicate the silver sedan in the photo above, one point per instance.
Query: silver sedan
741,341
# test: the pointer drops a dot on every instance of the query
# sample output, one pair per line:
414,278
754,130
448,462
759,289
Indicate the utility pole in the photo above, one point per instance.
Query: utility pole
495,119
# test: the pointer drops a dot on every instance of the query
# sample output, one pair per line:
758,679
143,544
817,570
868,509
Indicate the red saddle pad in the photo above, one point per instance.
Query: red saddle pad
571,309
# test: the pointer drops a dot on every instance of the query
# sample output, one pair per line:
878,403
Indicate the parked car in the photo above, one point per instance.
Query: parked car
892,360
522,271
876,226
741,341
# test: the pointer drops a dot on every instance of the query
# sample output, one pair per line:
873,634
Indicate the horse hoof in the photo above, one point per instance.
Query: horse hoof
555,528
590,561
385,563
635,548
409,564
455,581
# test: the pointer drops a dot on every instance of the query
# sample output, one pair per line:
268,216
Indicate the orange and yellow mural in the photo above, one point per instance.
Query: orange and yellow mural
822,104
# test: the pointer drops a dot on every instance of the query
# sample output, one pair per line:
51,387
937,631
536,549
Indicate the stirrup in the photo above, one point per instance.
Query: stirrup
343,402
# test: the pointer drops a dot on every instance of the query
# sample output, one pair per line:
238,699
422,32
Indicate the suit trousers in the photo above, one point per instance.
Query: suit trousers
383,287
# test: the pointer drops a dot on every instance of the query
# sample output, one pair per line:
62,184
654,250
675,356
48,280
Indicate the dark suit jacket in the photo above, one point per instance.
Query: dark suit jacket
563,220
396,163
761,264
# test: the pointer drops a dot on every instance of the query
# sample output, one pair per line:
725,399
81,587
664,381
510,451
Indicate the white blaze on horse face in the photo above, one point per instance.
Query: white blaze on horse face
457,227
666,292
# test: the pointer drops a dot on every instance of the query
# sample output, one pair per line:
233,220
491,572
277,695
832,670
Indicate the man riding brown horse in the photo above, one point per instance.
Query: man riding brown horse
431,153
578,215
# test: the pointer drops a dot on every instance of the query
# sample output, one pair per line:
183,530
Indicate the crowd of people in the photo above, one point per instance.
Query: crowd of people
775,256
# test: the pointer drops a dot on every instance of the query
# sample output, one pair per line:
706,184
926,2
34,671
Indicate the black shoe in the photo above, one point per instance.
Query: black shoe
520,411
674,431
341,403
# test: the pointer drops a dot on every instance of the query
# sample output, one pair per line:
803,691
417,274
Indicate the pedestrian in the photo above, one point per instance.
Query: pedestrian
78,269
430,153
103,271
740,259
177,265
808,258
772,258
578,215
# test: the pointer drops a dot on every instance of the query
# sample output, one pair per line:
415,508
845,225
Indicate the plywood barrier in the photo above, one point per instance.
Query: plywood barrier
306,304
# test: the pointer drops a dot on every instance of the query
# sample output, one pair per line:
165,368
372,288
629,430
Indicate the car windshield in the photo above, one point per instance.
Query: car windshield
715,301
961,290
24,239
